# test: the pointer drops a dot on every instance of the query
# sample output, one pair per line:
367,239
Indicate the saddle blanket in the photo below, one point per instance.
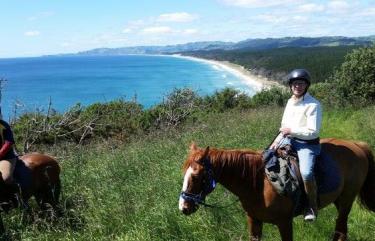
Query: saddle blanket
284,177
326,174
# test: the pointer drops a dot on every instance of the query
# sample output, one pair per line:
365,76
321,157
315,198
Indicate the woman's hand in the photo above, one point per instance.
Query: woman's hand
285,131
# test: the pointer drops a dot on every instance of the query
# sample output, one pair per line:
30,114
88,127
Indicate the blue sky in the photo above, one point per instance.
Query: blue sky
39,27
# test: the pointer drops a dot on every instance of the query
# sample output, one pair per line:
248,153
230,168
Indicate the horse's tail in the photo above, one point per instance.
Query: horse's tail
367,193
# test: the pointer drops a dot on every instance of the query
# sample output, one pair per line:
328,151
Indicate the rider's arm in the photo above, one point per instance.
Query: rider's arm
276,141
8,140
5,148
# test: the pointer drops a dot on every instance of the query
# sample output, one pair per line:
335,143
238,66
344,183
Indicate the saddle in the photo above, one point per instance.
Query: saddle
282,169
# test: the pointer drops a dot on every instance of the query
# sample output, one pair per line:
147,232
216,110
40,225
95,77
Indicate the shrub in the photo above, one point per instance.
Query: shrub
354,82
225,99
118,118
175,108
275,96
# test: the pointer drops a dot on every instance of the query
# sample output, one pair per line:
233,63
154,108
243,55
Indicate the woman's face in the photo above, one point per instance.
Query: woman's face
298,87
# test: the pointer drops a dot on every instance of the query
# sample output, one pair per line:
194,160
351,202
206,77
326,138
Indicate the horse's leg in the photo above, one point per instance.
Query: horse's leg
47,197
286,229
341,229
2,228
255,227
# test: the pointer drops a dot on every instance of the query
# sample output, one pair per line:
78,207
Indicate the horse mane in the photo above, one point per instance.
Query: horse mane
245,161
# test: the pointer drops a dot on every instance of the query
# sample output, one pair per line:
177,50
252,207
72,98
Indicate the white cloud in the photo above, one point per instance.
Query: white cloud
300,18
367,12
176,17
157,30
257,3
338,7
127,30
32,33
190,31
310,7
273,19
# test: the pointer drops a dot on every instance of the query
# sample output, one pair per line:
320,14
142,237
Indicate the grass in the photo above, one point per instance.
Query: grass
130,191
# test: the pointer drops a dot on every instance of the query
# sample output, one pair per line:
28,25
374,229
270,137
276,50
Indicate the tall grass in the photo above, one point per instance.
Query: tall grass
130,191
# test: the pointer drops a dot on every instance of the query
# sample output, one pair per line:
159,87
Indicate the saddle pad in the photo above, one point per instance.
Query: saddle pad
279,172
22,174
326,174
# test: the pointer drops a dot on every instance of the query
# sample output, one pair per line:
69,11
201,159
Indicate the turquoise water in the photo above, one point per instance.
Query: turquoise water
32,82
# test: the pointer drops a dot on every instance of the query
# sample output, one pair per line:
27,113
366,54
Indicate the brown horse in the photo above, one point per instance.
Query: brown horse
242,172
36,175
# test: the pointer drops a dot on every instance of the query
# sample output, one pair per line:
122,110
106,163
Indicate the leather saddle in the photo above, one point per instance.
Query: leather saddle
325,171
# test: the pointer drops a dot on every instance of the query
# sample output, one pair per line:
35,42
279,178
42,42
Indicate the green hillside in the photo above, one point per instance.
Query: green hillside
129,191
277,62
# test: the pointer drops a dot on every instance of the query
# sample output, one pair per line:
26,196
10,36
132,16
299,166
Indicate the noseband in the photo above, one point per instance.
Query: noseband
209,186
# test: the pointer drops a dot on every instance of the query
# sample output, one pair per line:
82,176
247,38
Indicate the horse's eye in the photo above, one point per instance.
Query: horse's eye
194,177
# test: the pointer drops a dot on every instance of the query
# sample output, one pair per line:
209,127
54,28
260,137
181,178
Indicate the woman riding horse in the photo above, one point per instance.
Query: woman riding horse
242,173
301,123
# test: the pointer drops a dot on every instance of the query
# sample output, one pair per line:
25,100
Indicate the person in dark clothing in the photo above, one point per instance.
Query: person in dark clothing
8,158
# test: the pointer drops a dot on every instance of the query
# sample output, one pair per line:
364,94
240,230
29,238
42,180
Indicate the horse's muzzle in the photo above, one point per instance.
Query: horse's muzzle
187,207
190,209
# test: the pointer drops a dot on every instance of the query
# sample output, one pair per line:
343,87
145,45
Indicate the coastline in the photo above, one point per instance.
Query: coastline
256,82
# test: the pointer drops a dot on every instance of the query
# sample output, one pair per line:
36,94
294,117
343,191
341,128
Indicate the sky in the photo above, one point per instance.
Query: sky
41,27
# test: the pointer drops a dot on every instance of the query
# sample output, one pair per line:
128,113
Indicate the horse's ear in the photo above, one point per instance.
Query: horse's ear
206,151
193,146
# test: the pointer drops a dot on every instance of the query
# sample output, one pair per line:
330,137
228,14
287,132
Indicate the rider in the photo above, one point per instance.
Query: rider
8,156
301,122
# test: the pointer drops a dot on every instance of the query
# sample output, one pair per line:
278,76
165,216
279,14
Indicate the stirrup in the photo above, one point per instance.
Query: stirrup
310,215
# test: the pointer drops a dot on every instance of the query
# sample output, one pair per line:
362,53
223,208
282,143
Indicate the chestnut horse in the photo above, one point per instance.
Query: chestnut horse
242,173
36,175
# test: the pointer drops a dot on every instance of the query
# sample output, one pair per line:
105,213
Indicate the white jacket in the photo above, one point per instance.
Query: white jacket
303,116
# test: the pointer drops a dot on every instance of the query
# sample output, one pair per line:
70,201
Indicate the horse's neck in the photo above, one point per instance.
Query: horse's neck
238,174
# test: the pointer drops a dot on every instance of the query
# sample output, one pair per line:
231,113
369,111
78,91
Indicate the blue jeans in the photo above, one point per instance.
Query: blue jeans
307,156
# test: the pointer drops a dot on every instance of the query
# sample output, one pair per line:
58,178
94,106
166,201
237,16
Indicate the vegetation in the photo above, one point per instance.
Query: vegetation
130,192
122,120
354,82
277,62
122,164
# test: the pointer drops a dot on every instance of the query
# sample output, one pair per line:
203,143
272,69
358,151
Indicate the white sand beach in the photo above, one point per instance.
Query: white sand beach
256,82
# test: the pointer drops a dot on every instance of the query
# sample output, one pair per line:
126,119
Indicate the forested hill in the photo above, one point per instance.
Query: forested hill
275,63
248,44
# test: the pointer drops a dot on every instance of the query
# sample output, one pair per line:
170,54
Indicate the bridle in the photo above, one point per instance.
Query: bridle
209,186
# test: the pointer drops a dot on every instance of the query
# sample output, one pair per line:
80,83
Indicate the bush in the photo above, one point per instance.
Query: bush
175,109
120,119
116,119
275,96
354,83
225,99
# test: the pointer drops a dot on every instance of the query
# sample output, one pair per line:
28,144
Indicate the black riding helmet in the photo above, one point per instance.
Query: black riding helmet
299,74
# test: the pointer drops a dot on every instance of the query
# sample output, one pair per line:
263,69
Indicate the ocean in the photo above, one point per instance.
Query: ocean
32,82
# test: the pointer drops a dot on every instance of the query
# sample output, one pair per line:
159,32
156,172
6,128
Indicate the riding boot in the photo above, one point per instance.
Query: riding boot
311,212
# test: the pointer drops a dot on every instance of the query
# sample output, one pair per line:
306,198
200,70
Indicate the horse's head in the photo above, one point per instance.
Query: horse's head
198,180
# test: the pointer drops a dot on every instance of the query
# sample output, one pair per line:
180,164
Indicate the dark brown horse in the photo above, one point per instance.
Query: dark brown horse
37,175
242,172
